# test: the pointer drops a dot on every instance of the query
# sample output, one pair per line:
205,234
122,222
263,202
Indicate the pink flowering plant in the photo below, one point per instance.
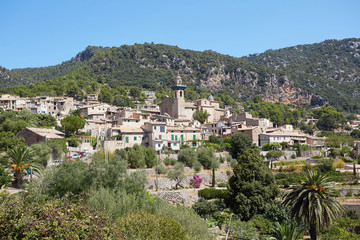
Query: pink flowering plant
196,181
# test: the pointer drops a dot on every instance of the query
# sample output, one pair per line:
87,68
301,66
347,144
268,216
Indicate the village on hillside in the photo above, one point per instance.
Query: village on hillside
188,151
163,127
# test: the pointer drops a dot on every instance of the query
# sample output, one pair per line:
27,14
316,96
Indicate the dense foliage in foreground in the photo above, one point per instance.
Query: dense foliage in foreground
76,200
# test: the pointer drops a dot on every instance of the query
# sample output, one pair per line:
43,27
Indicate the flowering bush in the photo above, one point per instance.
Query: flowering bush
196,181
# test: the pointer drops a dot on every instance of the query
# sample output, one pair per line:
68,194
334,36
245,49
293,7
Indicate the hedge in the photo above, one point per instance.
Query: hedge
211,193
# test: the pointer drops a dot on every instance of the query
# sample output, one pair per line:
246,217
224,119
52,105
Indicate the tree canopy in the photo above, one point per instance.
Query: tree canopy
252,188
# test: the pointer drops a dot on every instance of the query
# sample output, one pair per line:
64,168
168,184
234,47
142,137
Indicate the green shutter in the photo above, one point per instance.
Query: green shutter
127,139
135,138
182,137
194,137
172,137
175,137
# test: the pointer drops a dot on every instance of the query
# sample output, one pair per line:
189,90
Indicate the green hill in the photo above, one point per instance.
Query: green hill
315,73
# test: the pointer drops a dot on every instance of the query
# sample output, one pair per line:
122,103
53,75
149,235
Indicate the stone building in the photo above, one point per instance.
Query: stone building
38,135
179,109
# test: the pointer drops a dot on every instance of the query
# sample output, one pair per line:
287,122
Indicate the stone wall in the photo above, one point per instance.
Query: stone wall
166,183
185,196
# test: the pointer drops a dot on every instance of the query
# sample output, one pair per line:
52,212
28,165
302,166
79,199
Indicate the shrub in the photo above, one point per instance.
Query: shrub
5,178
215,139
243,230
52,220
150,157
73,142
160,169
71,177
144,225
211,193
197,166
115,203
196,181
222,184
204,208
206,156
136,156
339,163
293,156
192,223
168,161
188,156
325,165
261,223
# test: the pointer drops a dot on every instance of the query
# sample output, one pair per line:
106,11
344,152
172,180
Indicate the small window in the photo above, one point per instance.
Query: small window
160,137
154,127
135,138
127,139
162,128
180,93
159,144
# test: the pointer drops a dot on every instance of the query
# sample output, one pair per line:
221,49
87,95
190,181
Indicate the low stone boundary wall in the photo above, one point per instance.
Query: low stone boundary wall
166,183
185,196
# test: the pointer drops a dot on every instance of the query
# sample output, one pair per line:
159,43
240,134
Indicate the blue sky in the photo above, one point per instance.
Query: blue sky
42,33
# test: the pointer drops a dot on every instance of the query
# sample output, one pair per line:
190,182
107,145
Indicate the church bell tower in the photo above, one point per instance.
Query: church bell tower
179,98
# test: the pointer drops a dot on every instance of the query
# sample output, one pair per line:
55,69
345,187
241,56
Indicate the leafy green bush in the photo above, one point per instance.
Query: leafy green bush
262,223
206,156
160,169
197,166
188,156
204,208
114,203
278,213
42,153
73,142
192,223
222,185
243,230
5,178
326,165
144,225
59,219
287,179
168,161
73,177
150,157
211,193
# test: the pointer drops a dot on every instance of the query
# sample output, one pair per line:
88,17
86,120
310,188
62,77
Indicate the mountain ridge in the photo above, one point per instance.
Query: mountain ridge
303,74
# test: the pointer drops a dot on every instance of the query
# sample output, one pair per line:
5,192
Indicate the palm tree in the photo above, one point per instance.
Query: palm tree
312,202
20,160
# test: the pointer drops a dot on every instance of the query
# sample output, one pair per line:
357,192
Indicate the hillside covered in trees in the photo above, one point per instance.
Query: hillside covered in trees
307,74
